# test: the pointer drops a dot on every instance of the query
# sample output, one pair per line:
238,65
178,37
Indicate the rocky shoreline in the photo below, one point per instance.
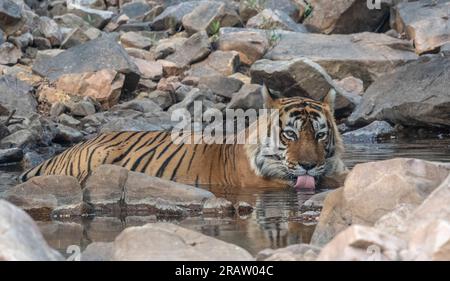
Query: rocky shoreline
70,69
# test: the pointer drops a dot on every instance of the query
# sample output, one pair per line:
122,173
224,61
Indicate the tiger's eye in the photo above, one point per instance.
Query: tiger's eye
320,135
290,135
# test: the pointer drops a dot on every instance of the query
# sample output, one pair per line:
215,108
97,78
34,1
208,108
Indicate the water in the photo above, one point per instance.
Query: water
277,220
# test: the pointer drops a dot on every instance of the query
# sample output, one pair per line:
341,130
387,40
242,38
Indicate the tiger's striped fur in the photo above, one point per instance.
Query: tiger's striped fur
155,153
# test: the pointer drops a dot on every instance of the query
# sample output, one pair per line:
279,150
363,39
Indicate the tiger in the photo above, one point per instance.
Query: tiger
308,153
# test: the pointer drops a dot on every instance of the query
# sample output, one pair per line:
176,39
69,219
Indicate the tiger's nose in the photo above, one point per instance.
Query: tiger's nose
307,166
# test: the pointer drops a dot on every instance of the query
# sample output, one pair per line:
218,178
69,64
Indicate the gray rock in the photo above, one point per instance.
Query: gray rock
96,18
10,13
9,54
445,50
414,95
248,9
135,40
162,98
20,238
41,43
67,134
68,120
274,19
172,16
298,252
222,85
101,53
364,55
249,96
209,15
369,133
135,9
22,41
19,139
316,201
218,206
194,49
17,95
98,251
79,36
11,155
81,108
165,241
50,30
217,63
45,54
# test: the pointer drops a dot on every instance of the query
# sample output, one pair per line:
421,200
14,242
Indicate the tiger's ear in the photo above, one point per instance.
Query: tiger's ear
269,99
329,99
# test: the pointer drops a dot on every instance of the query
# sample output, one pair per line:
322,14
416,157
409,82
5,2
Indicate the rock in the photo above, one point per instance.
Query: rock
299,252
217,206
362,243
239,76
98,251
67,134
445,50
9,54
345,17
161,98
217,63
135,40
374,189
98,54
369,133
140,54
165,241
222,85
248,9
41,195
351,85
22,41
135,9
424,23
152,70
17,95
20,238
414,95
19,139
394,222
430,243
45,54
251,44
365,56
104,86
82,108
316,201
171,68
50,30
249,96
194,49
172,16
96,18
301,77
79,36
10,14
209,16
94,4
274,19
11,155
153,13
67,120
41,43
168,46
57,109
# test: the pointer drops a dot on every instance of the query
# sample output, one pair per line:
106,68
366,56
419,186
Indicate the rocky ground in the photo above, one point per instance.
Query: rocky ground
73,68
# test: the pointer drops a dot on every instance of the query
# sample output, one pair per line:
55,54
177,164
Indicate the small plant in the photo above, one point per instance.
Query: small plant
213,30
273,37
308,10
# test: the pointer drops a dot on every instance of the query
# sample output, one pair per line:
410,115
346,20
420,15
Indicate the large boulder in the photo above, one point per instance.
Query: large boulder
20,238
345,16
98,54
373,189
363,55
17,95
414,95
426,24
165,241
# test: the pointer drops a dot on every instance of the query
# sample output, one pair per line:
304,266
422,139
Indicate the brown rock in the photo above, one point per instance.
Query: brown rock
194,49
217,63
135,40
9,54
149,69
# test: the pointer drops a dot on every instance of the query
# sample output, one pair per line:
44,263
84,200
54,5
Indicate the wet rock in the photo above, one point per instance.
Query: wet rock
208,16
194,49
316,201
369,133
104,86
249,96
274,19
248,9
362,243
96,18
217,63
172,16
9,54
299,252
11,155
243,208
374,189
17,95
345,17
20,238
301,77
135,40
41,195
98,54
364,55
217,206
165,241
67,134
50,30
414,95
152,70
251,44
222,85
424,23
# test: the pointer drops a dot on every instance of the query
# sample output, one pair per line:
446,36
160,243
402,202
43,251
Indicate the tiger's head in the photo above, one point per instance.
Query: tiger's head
304,145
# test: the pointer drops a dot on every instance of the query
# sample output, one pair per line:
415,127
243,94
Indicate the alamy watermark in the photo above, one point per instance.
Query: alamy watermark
374,4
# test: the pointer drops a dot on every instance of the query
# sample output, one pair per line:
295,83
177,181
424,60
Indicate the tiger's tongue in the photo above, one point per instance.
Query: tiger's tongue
305,182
